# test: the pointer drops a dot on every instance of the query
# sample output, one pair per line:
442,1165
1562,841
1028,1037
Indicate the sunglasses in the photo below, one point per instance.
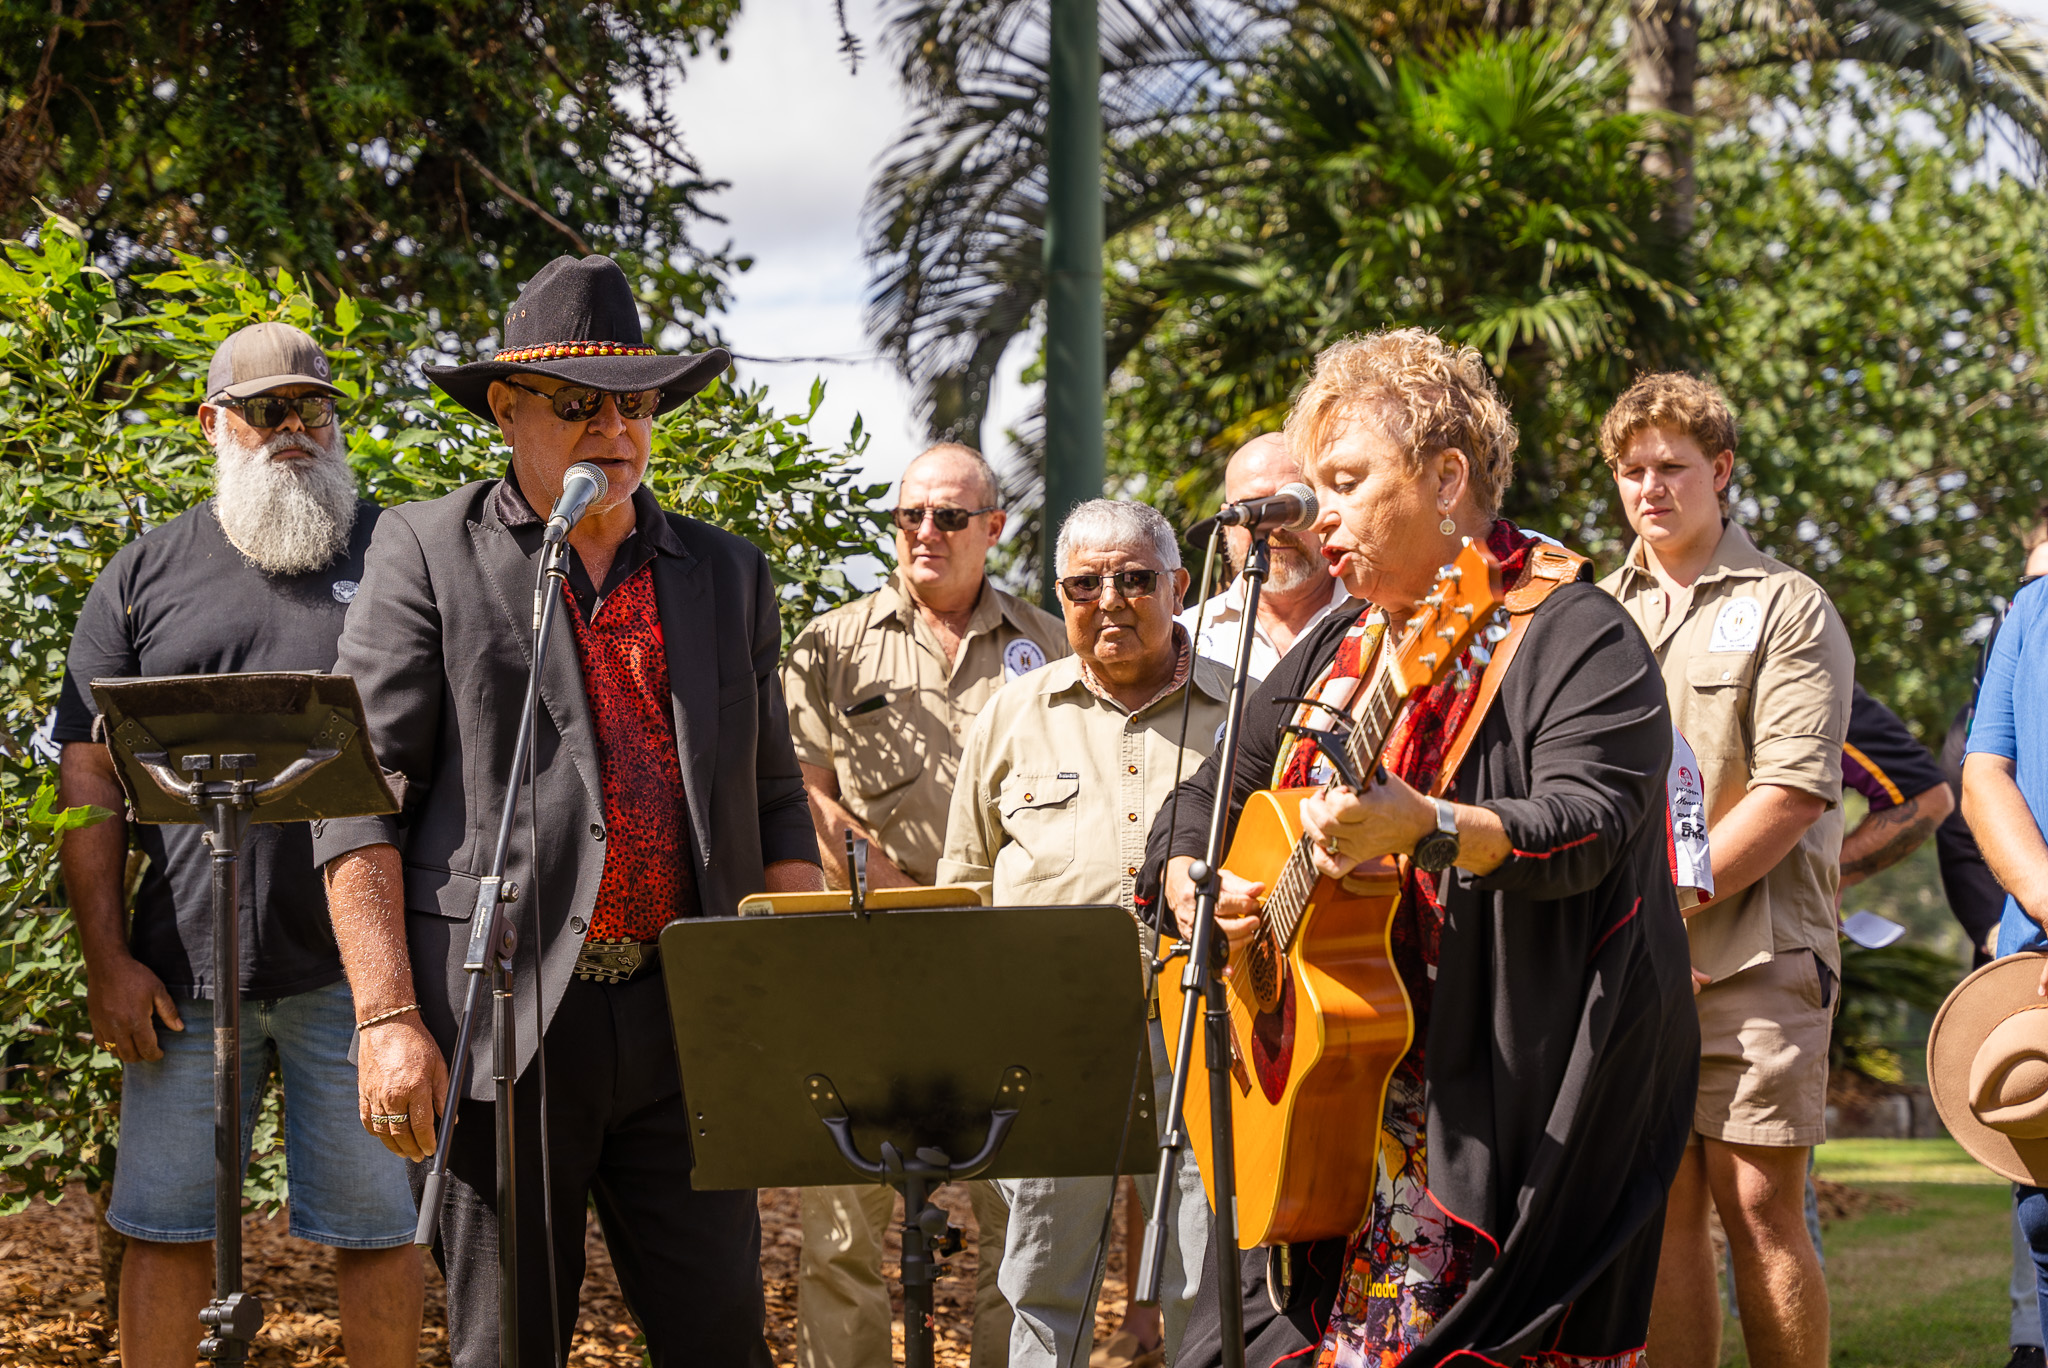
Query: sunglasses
945,519
580,403
1130,583
268,410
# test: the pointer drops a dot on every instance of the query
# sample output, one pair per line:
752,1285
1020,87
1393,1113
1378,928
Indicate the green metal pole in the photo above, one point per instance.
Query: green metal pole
1073,274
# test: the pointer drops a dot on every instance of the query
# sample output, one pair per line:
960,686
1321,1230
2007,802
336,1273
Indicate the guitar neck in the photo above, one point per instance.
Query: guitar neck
1371,723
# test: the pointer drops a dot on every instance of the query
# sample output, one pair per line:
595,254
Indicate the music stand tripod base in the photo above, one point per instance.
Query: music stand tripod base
814,1046
229,751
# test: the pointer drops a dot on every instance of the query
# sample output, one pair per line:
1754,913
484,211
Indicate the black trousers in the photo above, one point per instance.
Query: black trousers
688,1262
1269,1336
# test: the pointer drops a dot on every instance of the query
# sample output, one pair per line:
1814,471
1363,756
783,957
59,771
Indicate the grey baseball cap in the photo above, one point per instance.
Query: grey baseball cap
266,356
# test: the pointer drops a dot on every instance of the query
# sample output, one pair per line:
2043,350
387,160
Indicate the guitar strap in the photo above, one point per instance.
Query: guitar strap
1549,567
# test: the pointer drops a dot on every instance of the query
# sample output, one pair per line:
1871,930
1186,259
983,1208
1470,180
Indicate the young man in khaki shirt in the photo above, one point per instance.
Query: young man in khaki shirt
1758,670
881,693
1062,776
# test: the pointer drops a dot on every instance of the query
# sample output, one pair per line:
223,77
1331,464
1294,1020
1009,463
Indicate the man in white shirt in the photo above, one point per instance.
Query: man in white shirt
1299,592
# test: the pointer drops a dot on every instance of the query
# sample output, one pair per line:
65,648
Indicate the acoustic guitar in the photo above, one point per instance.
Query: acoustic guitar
1318,1014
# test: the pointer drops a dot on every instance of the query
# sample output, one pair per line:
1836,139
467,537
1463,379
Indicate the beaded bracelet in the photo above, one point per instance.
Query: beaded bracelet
387,1016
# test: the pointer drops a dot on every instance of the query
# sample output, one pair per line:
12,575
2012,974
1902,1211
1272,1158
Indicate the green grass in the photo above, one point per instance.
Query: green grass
1901,1161
1920,1288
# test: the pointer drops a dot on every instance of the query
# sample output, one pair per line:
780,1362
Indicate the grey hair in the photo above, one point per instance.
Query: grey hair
1116,522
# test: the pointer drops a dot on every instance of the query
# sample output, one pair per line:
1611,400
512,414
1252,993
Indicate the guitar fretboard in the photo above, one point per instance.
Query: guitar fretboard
1287,902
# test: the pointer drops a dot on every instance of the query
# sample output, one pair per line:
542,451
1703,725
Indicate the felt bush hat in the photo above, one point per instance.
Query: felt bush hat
576,320
1987,1066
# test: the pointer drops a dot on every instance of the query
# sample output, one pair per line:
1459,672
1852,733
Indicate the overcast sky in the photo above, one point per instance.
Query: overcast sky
799,138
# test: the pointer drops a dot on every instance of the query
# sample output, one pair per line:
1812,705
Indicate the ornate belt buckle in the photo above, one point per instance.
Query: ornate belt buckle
609,961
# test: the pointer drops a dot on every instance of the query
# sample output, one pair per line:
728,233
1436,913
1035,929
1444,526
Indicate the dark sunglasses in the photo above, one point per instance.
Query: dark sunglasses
580,403
268,410
945,519
1130,583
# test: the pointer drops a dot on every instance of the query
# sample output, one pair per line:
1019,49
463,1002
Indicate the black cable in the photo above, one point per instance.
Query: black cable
540,1044
1115,1183
1187,699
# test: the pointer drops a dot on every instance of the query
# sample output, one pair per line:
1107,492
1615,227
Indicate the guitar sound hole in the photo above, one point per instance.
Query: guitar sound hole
1265,971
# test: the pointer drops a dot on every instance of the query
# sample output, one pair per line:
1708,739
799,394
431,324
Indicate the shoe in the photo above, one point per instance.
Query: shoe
1124,1351
2026,1356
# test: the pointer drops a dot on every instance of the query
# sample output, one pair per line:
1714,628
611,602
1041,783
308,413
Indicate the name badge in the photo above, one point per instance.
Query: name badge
1021,657
1737,626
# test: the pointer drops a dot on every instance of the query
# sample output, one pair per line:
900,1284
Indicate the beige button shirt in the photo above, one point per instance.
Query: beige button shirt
1058,786
872,699
1759,669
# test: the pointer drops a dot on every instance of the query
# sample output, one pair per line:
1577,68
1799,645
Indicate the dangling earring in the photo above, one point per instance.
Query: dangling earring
1447,527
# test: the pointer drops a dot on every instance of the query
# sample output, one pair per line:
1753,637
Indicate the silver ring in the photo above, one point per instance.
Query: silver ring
397,1120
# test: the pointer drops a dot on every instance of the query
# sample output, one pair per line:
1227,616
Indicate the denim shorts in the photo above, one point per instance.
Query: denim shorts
346,1189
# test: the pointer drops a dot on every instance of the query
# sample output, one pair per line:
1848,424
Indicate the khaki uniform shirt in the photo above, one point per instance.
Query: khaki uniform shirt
1758,669
1058,787
872,699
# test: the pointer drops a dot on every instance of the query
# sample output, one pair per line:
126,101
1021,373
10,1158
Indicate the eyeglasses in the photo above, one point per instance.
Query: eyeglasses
1130,583
268,410
945,519
581,403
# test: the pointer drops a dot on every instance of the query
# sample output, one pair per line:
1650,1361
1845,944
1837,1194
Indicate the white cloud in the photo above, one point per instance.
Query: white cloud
799,138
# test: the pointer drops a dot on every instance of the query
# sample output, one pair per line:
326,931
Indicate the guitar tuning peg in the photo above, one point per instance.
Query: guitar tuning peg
1461,680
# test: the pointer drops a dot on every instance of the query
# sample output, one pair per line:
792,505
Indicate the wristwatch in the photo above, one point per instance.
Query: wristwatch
1438,850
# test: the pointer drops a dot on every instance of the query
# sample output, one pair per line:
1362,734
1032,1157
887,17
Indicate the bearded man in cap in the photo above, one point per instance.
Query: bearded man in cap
257,578
664,785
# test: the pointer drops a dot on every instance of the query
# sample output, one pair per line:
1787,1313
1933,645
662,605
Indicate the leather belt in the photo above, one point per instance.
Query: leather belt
618,961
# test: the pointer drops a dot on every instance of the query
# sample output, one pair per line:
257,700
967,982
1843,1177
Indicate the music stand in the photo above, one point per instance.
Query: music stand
814,1044
228,750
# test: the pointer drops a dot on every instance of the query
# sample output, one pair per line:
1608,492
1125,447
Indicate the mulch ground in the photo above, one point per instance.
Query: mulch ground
53,1310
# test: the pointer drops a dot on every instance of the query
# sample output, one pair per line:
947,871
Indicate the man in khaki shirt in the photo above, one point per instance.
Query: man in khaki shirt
880,694
1758,669
1062,775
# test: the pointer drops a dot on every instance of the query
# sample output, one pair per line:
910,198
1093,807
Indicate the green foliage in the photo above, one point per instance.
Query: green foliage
1488,191
1877,310
56,1085
98,444
434,151
1879,989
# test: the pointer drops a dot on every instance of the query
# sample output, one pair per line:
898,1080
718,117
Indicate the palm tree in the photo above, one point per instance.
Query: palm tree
955,221
1964,48
1489,189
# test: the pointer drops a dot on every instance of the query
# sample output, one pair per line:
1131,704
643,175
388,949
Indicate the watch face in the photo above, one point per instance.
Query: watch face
1436,852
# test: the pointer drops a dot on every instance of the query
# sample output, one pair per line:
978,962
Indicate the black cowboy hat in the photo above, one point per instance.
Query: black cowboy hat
576,320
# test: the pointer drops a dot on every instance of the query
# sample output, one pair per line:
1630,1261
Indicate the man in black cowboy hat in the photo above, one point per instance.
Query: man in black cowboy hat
664,786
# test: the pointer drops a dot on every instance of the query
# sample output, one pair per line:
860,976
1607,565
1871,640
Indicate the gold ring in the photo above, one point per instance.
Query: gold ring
397,1120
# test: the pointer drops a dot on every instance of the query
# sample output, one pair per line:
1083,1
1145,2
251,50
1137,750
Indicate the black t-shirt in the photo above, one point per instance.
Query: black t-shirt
182,600
1881,760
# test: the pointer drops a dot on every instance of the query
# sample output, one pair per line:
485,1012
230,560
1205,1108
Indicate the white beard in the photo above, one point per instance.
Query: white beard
286,517
1293,570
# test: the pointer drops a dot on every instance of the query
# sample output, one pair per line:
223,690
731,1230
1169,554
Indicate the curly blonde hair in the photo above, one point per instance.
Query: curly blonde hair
1428,395
1674,401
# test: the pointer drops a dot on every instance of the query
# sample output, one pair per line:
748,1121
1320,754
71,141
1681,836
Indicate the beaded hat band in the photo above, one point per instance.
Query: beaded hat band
549,351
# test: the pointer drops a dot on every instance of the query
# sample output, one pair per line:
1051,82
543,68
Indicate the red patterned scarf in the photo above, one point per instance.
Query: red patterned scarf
1415,749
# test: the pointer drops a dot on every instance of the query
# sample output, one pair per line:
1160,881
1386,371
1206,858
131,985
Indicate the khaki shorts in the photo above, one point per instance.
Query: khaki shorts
1764,1053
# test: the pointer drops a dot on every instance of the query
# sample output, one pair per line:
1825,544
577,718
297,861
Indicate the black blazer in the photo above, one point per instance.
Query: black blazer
438,640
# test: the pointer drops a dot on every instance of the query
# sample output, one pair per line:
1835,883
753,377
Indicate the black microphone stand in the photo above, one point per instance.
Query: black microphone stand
492,939
1202,982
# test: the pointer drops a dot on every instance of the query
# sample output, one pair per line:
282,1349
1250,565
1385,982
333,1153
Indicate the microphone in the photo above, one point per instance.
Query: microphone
1291,508
582,486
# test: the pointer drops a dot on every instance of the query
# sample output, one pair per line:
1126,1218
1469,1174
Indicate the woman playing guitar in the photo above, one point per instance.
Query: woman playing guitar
1532,1126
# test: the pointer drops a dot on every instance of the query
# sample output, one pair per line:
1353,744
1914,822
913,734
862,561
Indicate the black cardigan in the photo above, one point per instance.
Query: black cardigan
1563,1047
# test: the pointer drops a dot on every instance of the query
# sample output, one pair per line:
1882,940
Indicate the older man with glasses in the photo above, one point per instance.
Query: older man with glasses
881,693
1060,780
258,577
663,786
